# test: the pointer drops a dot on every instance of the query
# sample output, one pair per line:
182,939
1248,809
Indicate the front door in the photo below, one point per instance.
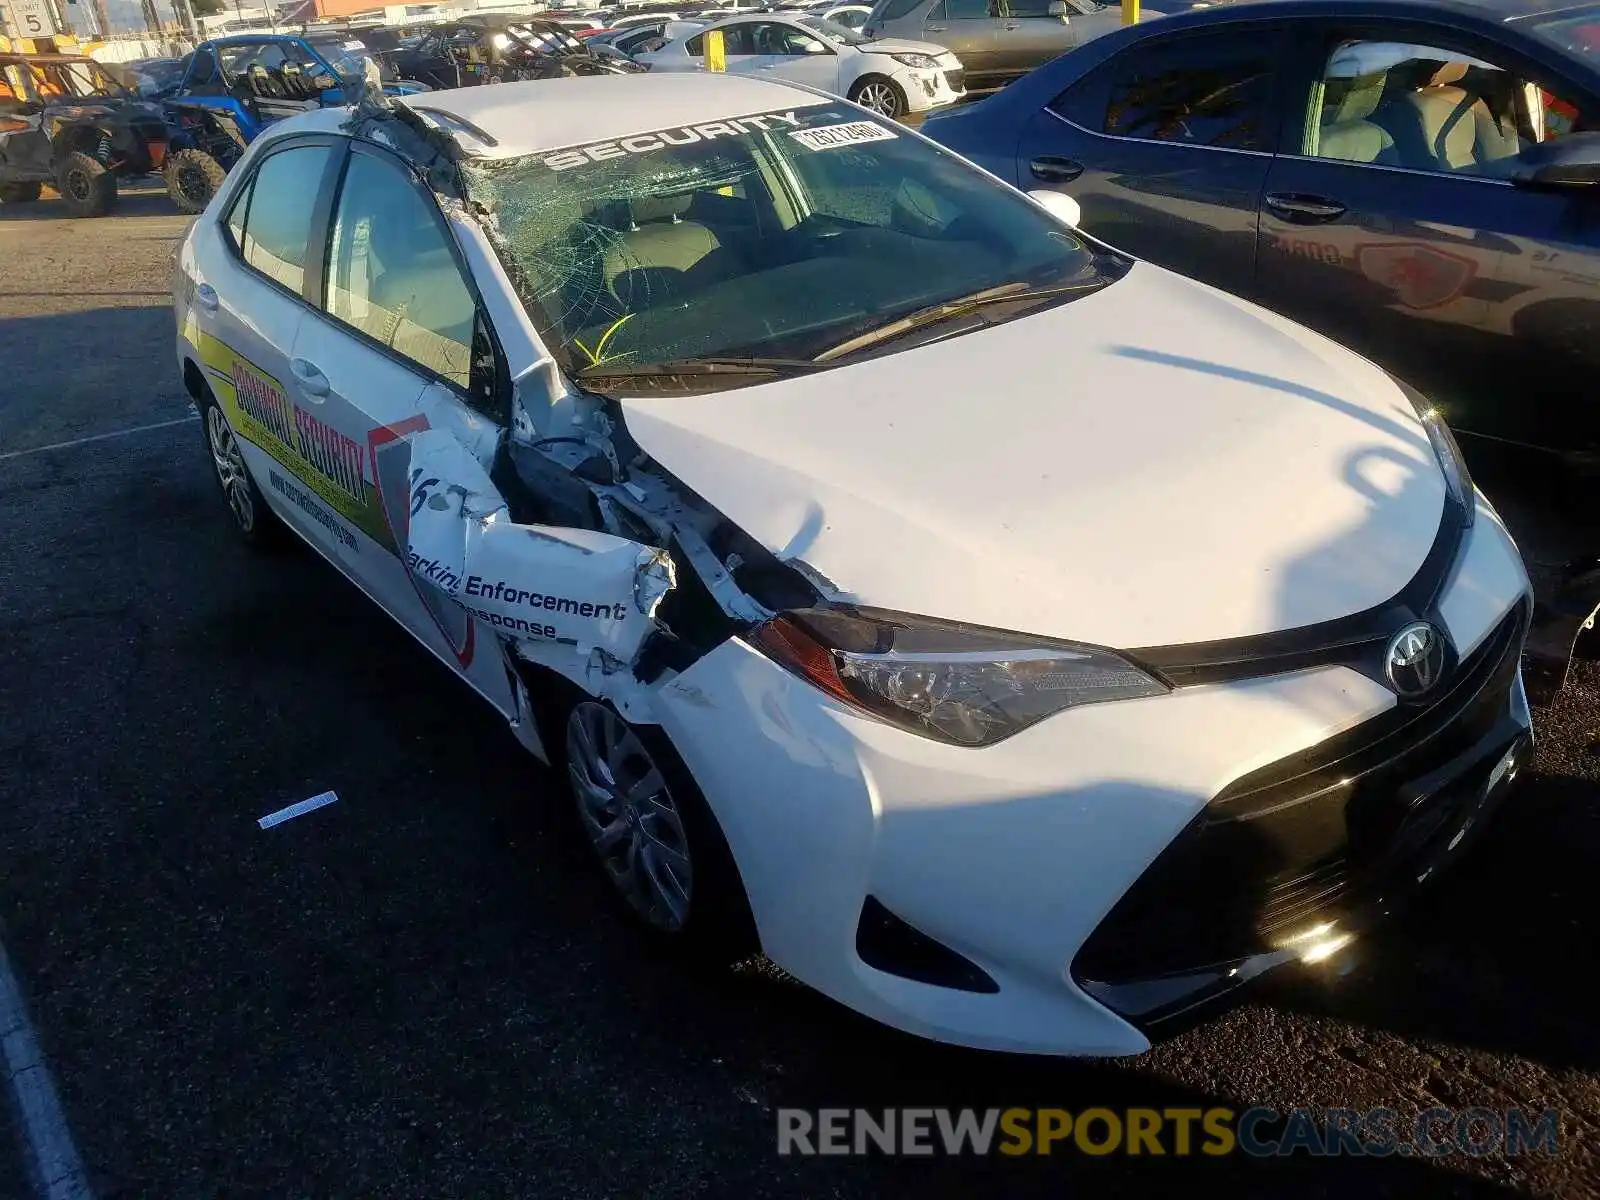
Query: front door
1391,223
794,54
389,352
1166,148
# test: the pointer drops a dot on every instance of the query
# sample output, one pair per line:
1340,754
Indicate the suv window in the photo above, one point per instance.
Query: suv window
277,228
1200,91
894,9
1429,109
392,274
237,211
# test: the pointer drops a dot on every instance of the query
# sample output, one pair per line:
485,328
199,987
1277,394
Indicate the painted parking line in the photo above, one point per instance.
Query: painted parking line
52,1156
99,437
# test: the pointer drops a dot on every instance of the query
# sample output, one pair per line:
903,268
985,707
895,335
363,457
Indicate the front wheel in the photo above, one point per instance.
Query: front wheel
88,189
882,96
193,177
20,193
655,836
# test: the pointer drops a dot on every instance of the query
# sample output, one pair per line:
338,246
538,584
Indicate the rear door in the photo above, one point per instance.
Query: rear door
248,306
1166,148
396,344
1390,222
971,29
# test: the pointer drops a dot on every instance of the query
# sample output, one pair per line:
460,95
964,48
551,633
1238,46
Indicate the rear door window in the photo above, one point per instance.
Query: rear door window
277,228
1214,91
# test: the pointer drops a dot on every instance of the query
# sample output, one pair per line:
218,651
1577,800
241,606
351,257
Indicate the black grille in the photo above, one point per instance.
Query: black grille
1310,836
956,79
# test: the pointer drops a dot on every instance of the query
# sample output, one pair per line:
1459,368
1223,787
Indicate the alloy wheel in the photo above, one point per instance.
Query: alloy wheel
880,98
230,468
630,815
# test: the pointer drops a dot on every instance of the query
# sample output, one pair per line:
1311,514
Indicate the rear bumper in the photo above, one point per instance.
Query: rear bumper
1296,859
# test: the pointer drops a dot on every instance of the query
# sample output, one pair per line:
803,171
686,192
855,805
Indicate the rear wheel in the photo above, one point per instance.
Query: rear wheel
257,524
20,193
87,187
193,177
882,96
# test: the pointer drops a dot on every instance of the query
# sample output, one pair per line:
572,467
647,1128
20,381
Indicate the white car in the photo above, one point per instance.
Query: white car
1017,642
891,77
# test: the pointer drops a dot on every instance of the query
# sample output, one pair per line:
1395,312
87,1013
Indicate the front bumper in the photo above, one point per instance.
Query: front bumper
963,894
1295,859
932,89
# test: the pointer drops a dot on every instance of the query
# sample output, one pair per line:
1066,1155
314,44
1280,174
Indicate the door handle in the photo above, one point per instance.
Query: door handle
1303,210
206,297
310,378
1011,24
1051,169
933,28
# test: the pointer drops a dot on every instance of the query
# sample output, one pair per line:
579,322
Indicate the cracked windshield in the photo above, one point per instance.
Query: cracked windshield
775,242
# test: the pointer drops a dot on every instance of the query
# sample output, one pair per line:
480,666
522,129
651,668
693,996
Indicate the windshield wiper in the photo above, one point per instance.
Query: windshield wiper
724,365
1018,291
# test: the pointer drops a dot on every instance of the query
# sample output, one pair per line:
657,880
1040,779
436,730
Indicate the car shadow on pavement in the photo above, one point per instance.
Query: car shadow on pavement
138,199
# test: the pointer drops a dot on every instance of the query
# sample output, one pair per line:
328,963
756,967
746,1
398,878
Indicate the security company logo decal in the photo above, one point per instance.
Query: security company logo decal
327,461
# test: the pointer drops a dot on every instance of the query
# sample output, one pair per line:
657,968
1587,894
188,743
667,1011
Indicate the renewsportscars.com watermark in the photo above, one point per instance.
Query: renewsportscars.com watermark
1151,1132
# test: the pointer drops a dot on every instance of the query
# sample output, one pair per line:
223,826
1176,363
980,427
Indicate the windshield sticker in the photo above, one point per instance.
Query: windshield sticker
829,137
684,135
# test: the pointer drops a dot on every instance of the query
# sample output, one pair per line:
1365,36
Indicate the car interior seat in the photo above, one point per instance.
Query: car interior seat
417,302
1444,123
658,255
1348,131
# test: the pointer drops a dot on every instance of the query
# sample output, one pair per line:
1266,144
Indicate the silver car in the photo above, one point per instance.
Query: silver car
997,40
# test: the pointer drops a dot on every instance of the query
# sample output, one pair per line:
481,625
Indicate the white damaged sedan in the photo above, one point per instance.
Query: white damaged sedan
1019,643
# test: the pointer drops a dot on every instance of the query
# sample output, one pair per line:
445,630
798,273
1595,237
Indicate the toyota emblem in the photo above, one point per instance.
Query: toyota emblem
1414,661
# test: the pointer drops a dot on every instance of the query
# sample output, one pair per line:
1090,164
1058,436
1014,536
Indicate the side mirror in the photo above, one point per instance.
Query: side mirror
1571,162
1059,205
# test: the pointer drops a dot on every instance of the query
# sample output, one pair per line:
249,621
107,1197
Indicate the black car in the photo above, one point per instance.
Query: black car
66,122
496,48
1419,179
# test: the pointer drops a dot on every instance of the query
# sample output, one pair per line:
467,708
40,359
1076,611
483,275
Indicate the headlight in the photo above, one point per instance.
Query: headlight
946,681
921,61
1457,480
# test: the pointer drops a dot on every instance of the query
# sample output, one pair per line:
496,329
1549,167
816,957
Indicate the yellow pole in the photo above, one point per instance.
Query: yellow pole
716,49
1130,12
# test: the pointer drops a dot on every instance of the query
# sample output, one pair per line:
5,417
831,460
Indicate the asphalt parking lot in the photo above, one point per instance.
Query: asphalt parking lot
424,990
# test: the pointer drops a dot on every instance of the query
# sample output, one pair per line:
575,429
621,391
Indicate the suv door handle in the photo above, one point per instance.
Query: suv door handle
1303,210
1052,169
933,28
310,378
206,297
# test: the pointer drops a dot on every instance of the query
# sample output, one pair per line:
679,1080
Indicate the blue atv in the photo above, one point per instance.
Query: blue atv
234,87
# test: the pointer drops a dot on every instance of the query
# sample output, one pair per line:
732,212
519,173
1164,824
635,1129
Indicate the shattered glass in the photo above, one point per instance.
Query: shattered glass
769,236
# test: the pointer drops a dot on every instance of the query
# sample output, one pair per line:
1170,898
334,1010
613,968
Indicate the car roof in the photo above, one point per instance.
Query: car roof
545,114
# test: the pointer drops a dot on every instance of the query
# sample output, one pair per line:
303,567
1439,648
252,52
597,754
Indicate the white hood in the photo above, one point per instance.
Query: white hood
1156,463
902,46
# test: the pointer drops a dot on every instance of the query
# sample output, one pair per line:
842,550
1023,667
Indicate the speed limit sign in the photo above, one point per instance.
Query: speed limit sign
29,18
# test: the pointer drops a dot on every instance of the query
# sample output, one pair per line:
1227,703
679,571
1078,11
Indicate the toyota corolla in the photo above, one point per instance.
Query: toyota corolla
1017,642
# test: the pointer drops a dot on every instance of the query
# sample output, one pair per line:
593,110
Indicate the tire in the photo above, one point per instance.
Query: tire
883,96
699,910
254,521
88,189
193,177
20,193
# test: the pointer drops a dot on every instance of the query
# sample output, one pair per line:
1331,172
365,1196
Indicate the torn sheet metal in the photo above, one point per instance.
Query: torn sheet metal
533,583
